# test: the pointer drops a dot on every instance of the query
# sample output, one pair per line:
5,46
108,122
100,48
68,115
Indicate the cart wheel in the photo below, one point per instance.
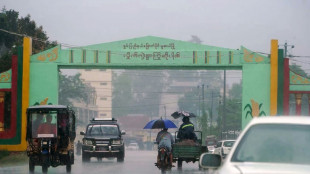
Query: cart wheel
44,169
68,168
180,163
31,166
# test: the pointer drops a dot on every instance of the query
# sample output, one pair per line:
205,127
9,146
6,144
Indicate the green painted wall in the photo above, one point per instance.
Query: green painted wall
43,83
256,91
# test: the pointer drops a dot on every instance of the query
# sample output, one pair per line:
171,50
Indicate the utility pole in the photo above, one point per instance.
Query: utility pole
224,103
285,49
165,111
211,112
203,97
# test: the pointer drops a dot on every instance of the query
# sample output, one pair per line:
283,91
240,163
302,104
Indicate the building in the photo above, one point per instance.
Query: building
101,81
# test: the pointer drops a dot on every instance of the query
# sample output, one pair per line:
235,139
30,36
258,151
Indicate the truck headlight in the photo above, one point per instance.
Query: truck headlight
116,142
88,142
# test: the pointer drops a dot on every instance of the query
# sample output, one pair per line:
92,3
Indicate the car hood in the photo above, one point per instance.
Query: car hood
263,168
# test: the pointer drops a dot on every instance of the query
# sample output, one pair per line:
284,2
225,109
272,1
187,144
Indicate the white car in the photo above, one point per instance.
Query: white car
223,147
272,144
133,146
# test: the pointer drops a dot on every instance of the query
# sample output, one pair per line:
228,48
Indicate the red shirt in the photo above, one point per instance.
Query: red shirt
47,128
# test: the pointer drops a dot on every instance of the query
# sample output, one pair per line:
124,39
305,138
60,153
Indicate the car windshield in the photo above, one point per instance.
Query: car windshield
228,143
96,130
274,143
211,143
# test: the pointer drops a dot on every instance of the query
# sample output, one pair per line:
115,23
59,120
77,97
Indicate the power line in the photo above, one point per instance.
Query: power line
112,52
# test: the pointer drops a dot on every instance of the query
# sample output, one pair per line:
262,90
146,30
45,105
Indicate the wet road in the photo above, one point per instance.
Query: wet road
136,162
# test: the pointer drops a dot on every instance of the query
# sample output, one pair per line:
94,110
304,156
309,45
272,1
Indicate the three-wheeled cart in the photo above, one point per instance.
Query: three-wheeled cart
188,150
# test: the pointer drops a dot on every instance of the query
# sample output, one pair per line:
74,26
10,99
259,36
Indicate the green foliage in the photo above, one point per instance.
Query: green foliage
189,102
233,110
122,95
72,87
236,91
137,92
202,123
297,69
25,26
5,62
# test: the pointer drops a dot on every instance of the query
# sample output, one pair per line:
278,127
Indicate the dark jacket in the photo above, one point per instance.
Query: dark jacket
186,131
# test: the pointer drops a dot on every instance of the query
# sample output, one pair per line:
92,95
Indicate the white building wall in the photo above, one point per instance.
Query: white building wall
101,80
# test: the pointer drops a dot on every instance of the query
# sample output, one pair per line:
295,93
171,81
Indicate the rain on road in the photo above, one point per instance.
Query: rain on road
136,162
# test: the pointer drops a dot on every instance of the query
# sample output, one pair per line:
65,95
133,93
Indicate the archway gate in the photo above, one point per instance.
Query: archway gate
259,73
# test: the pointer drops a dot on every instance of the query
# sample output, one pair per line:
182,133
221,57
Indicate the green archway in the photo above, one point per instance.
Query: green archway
155,53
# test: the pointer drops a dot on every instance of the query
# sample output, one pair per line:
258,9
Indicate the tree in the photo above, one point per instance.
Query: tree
195,39
9,21
297,69
132,95
72,87
122,100
233,110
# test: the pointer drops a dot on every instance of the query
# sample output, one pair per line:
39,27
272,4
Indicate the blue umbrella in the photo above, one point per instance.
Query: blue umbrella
160,124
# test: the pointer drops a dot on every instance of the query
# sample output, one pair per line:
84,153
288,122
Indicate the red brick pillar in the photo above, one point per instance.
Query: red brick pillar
298,103
2,95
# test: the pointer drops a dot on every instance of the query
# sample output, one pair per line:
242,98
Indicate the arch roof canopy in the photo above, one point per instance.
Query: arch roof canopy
150,51
298,82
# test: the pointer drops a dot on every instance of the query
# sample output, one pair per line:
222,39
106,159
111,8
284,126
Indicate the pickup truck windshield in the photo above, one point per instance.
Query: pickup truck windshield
97,130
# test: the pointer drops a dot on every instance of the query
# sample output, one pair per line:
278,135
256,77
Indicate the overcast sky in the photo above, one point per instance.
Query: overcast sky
223,23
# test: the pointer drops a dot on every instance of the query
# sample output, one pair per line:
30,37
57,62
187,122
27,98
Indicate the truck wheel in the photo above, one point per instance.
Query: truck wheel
180,163
68,168
85,157
31,166
120,157
44,168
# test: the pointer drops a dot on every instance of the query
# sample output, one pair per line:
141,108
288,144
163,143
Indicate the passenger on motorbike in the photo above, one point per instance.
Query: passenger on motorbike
165,140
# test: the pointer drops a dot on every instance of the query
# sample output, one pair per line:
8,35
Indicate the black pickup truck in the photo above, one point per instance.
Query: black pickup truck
103,139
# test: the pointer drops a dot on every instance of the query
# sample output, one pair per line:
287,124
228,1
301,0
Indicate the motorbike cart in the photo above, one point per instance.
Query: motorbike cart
50,136
188,150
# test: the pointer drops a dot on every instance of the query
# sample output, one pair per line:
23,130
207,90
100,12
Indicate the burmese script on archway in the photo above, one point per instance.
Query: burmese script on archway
148,51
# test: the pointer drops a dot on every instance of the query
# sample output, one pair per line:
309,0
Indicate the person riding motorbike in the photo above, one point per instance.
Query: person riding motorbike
165,139
186,130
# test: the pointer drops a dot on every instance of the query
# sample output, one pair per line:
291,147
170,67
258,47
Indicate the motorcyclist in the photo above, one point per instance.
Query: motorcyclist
165,139
186,130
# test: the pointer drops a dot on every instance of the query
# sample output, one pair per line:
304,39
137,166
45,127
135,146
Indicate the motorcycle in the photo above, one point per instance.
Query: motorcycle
164,161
